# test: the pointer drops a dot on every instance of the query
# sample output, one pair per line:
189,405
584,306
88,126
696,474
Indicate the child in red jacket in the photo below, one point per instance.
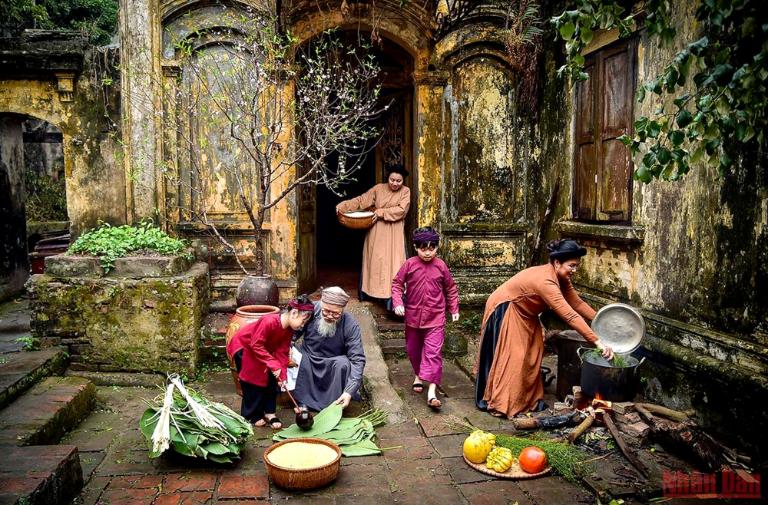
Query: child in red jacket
260,351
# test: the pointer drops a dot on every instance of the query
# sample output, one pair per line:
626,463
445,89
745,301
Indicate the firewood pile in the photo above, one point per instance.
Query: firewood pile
634,425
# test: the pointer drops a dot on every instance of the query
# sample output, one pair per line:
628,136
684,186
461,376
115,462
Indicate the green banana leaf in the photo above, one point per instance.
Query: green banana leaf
324,421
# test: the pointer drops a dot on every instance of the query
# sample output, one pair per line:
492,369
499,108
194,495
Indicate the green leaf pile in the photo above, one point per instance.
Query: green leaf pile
190,438
354,435
112,242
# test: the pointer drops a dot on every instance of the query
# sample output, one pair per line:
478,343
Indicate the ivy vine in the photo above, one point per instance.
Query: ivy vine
722,113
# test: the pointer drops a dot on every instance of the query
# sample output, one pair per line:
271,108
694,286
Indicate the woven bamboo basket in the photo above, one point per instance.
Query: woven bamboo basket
358,220
310,478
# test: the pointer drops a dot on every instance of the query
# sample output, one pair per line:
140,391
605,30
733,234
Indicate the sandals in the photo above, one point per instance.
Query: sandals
434,404
417,387
271,422
496,413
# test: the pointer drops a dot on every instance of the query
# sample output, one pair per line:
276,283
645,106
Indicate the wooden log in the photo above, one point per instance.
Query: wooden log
581,428
687,440
631,457
623,407
675,415
546,422
643,412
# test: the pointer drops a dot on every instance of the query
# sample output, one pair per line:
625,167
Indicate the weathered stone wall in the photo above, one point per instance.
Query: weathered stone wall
693,259
144,316
57,78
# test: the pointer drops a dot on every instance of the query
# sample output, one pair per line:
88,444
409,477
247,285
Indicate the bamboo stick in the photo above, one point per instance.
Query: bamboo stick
581,428
675,415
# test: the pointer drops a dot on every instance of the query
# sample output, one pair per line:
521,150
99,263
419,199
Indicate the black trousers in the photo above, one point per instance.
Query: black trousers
257,400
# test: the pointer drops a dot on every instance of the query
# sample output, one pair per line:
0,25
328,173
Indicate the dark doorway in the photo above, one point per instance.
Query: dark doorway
338,250
337,246
32,199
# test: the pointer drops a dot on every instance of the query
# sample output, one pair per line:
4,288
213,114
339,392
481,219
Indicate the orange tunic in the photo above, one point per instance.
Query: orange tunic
384,249
514,381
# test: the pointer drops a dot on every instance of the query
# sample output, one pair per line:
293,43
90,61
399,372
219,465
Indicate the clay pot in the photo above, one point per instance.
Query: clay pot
243,316
257,290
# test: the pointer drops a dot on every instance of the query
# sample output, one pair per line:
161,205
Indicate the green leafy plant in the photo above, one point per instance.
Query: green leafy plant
578,26
711,120
95,18
354,435
725,111
617,361
29,342
184,421
112,242
46,197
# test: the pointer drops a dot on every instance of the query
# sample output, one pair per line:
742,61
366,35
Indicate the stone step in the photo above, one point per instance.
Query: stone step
46,412
384,324
392,346
22,370
40,475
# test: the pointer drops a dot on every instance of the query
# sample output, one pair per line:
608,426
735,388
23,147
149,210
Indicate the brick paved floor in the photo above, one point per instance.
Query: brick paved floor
425,466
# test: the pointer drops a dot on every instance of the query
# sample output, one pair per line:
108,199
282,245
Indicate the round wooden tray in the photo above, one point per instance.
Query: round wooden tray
514,472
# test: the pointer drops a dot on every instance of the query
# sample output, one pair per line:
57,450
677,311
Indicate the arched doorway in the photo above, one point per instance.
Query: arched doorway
331,254
33,199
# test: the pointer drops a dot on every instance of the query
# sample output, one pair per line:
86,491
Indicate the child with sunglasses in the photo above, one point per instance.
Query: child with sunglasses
430,287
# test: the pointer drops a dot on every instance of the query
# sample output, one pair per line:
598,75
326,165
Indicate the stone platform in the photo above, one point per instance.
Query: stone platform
149,320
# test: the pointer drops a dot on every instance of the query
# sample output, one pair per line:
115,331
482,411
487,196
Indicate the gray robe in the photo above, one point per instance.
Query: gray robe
331,365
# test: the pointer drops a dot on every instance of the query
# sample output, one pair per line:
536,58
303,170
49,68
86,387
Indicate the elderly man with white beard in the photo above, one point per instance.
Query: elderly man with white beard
332,357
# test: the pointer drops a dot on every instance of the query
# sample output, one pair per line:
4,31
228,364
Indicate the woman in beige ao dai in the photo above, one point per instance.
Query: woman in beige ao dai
384,248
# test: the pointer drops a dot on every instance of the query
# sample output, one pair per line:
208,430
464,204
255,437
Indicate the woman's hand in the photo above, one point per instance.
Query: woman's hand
400,311
605,350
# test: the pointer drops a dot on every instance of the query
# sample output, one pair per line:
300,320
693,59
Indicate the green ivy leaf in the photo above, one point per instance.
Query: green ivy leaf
684,118
567,30
676,137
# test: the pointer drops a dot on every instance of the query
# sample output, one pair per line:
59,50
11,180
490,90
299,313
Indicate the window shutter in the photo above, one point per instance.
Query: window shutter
585,190
615,166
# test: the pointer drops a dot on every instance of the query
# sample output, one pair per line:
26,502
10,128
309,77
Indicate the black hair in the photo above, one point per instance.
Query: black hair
564,250
398,169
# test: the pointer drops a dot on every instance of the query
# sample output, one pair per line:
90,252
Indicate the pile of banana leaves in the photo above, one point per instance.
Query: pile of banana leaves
353,435
187,423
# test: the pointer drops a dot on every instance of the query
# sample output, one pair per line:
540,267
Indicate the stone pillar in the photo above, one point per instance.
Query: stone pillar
168,187
13,228
428,92
283,217
139,73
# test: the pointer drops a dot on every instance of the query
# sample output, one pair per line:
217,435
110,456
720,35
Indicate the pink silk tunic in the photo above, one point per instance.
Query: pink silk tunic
429,286
384,249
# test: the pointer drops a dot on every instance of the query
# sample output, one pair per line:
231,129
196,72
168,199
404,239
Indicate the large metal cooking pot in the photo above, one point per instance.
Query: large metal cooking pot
600,377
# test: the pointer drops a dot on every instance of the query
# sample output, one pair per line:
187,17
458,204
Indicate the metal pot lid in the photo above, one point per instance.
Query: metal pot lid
619,326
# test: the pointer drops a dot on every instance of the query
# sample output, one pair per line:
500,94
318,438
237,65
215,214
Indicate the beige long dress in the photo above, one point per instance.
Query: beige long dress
384,249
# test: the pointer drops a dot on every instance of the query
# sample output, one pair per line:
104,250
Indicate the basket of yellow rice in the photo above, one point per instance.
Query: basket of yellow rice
302,463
